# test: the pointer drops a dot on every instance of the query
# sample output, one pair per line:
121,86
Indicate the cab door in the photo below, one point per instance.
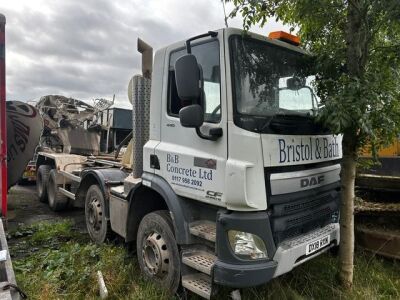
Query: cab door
193,166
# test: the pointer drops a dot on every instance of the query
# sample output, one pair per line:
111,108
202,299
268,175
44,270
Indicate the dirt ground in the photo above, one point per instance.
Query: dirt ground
25,208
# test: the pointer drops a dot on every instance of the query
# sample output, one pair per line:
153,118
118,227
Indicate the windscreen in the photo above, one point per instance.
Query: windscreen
271,80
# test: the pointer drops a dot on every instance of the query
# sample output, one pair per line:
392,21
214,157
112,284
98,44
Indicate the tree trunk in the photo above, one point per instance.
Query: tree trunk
348,173
356,48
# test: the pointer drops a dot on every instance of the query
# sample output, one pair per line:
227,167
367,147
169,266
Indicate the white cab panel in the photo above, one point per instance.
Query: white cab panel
244,180
194,167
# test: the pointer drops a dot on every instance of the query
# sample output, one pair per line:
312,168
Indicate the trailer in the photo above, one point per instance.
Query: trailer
231,181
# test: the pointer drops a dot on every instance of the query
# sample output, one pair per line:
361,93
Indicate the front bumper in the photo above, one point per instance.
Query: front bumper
291,253
246,275
230,270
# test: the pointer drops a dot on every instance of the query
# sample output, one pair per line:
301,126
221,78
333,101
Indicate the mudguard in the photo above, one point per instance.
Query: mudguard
105,178
175,203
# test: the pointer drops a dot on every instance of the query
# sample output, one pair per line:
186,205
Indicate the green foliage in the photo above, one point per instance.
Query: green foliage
66,269
62,263
375,278
356,45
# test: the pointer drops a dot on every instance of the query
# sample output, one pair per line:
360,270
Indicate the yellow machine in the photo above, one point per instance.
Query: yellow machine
385,175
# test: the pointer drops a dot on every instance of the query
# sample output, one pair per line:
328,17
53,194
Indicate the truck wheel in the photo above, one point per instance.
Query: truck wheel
157,250
42,179
96,223
57,200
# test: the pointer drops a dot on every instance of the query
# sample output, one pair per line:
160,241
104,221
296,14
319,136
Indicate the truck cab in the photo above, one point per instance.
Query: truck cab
269,179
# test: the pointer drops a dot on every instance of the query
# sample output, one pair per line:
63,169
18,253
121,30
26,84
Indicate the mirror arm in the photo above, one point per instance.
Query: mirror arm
215,134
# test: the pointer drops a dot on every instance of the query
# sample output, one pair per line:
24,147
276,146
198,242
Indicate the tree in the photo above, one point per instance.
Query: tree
356,44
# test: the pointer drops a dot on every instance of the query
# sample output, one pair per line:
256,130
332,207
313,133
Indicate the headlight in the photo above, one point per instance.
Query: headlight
247,245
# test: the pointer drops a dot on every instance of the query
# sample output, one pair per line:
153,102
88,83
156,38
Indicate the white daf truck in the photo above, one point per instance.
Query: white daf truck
231,181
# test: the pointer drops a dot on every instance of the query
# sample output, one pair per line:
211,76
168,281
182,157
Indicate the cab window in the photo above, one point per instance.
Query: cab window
207,55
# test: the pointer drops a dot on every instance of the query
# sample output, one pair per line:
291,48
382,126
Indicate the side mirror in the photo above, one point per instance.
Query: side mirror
187,76
192,116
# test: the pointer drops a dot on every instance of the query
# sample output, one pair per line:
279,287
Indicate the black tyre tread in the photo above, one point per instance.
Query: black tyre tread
44,171
109,235
166,217
60,200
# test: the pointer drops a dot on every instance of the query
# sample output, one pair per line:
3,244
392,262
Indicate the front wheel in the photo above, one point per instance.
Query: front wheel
95,216
157,250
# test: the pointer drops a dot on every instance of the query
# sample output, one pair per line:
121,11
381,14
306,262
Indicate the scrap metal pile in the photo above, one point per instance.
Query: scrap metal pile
70,125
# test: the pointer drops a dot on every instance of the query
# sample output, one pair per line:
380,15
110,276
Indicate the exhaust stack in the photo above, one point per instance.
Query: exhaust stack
147,58
139,95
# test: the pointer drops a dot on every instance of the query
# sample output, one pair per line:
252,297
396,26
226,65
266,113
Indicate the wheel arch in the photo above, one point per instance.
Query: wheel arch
142,201
104,178
154,193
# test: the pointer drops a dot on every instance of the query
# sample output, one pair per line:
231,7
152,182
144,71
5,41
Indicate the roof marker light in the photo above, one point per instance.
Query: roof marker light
285,37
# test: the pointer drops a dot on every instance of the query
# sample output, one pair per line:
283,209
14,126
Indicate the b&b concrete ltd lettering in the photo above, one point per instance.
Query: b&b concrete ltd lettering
174,166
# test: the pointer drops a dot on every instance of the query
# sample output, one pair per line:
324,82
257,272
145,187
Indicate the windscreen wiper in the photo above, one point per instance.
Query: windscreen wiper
272,118
281,120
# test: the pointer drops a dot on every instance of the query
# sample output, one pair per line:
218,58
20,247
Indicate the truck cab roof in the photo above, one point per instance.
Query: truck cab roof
227,32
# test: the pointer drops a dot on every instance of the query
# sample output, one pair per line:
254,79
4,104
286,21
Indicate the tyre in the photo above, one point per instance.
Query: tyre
57,200
96,223
157,250
42,179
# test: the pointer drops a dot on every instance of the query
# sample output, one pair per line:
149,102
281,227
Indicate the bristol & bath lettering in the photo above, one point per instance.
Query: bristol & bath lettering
308,149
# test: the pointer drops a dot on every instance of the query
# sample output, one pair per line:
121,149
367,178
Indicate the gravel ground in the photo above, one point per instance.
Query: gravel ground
24,207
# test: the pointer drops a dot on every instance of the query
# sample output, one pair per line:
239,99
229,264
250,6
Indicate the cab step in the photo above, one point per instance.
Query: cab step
204,229
199,260
198,283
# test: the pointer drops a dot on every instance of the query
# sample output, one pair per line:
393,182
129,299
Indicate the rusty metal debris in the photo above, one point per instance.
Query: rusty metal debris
379,241
377,227
362,206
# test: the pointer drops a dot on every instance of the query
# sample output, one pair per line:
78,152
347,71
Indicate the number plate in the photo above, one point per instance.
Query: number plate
318,244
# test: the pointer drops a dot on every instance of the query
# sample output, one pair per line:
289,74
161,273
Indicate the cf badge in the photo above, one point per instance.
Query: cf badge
214,195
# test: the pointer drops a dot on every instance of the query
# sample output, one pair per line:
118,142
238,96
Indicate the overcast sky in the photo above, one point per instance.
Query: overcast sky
87,48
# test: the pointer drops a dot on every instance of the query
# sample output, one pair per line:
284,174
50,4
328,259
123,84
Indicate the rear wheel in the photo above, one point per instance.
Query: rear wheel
157,250
57,200
96,222
42,179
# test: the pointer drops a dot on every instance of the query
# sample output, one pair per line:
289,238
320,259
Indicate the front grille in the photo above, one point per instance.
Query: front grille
300,205
294,232
307,218
292,215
